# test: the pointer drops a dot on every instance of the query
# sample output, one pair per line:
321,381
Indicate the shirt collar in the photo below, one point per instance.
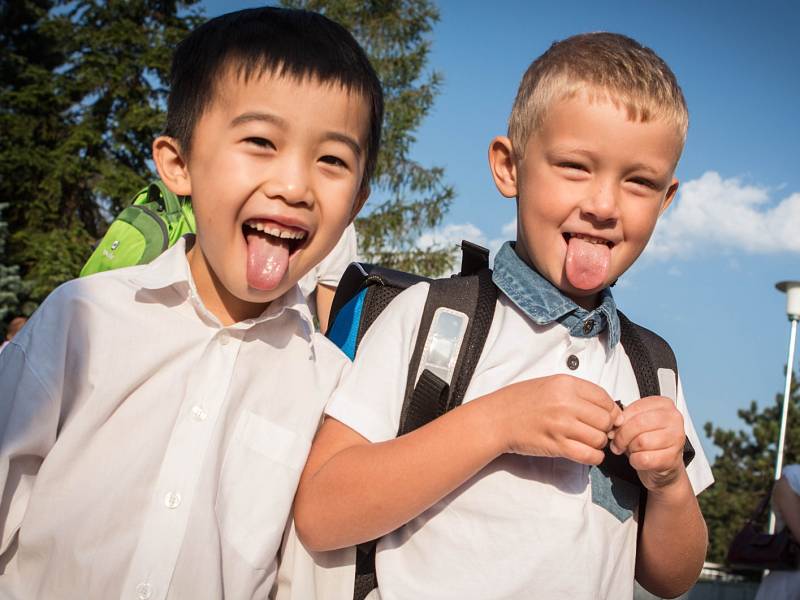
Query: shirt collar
171,269
544,303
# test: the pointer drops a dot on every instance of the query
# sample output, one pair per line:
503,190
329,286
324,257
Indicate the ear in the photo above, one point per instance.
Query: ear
503,166
673,189
171,165
361,199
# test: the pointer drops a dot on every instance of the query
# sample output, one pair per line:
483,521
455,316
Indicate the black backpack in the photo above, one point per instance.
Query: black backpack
366,290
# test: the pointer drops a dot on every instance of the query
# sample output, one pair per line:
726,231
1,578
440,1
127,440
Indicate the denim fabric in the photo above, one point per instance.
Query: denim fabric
616,495
544,303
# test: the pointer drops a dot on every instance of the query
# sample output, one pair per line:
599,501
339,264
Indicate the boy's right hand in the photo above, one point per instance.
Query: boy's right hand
555,416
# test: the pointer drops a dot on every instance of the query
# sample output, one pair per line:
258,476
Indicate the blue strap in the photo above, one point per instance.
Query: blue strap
344,331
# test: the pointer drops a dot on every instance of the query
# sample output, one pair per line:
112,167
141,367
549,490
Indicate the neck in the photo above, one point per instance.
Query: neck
215,296
587,302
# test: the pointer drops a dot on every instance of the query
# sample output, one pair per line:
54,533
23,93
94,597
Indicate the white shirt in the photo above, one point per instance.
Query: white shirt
523,527
147,451
330,270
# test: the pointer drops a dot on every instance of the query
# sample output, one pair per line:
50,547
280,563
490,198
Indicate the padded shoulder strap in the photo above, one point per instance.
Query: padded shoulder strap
647,352
430,397
474,294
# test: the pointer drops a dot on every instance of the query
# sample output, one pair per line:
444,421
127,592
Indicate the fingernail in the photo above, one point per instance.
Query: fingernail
611,434
619,420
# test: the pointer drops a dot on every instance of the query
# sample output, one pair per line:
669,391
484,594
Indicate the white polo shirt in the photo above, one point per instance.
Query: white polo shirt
523,527
148,452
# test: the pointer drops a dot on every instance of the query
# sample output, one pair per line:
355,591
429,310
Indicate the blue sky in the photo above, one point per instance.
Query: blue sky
707,282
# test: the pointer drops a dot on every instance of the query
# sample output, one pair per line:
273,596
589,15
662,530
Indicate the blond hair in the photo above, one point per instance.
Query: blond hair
603,64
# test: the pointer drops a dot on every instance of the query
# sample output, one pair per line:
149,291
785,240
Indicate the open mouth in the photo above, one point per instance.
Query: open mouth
294,237
587,238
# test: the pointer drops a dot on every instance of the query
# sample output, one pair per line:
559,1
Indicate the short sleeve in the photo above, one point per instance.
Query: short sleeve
699,470
29,414
792,475
370,396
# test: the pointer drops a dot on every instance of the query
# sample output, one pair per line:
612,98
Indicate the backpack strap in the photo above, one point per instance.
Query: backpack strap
428,395
473,294
648,352
159,193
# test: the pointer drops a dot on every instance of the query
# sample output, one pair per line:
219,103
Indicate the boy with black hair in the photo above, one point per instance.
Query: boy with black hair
155,419
502,497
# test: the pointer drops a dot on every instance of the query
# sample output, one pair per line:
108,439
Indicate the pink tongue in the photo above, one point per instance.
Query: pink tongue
587,264
267,259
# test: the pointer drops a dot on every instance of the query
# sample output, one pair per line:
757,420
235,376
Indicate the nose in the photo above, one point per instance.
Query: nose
601,204
288,180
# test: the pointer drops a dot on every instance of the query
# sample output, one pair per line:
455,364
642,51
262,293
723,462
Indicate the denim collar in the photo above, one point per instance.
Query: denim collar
544,303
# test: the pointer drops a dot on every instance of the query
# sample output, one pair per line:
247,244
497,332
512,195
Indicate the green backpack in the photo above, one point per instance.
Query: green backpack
154,221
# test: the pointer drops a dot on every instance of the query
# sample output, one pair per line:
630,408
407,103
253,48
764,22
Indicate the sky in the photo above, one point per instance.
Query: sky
706,283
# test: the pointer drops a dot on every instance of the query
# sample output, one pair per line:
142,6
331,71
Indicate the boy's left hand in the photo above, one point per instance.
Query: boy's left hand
652,436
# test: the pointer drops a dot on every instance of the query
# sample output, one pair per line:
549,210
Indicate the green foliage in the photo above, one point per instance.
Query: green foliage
745,467
407,198
12,290
81,99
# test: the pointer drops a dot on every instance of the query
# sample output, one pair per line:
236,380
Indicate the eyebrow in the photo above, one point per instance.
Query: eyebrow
258,116
283,124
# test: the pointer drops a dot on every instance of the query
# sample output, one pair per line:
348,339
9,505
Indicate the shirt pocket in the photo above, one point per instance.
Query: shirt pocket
257,484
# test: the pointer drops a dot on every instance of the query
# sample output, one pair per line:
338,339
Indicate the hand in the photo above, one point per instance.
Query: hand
556,416
653,437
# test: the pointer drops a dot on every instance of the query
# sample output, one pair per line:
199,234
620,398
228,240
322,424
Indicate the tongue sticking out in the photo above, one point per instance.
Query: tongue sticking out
267,259
587,264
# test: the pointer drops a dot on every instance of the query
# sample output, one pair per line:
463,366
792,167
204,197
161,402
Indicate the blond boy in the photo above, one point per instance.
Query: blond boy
501,497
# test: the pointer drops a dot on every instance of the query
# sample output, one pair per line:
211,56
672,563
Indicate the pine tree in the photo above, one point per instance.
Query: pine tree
82,98
407,198
745,467
11,287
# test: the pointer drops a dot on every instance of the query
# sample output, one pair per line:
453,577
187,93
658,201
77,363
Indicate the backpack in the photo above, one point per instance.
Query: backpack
453,328
155,219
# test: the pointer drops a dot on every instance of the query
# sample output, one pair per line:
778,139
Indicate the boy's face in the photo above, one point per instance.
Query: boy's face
590,188
275,174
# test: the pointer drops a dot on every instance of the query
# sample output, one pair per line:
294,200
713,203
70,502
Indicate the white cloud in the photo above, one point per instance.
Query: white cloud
452,234
726,215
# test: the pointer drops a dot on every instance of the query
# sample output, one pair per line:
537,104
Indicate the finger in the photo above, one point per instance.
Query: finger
581,453
637,424
587,435
596,395
647,403
649,441
596,417
656,460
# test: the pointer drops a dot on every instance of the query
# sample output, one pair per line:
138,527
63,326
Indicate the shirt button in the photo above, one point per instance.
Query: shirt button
144,591
199,414
224,338
588,326
573,362
172,500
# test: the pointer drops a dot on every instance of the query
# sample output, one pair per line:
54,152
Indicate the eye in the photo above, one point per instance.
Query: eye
643,181
333,160
572,165
260,142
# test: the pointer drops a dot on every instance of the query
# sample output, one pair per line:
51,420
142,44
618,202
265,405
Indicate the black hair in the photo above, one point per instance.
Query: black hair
287,42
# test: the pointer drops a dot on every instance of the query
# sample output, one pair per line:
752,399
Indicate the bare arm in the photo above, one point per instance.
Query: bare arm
787,502
673,540
352,491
